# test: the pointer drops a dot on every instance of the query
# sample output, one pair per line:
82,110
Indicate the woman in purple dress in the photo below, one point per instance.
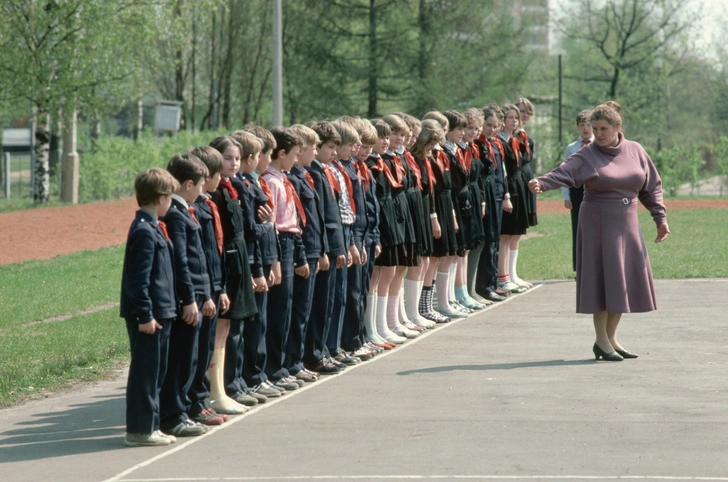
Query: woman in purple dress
613,273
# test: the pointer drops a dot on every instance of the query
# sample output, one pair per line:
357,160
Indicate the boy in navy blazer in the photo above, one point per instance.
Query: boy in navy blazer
149,305
193,288
316,355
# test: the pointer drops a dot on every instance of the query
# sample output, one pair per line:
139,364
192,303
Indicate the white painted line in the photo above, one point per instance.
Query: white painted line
180,446
431,477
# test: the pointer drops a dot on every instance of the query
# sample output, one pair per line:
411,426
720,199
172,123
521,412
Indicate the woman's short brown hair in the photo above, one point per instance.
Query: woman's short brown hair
152,184
439,117
431,131
527,104
396,123
607,113
455,119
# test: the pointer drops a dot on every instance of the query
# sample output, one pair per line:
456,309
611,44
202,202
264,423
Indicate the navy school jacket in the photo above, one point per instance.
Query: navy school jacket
359,228
265,233
371,235
330,206
314,233
147,279
215,261
190,265
247,204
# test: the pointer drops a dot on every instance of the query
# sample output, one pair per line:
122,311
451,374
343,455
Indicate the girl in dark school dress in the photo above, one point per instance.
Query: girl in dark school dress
404,197
526,110
391,233
430,135
515,223
415,274
237,267
471,156
444,252
466,212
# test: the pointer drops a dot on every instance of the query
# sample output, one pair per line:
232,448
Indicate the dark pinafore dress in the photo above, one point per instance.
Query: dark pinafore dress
515,222
428,204
391,232
402,209
475,184
414,199
527,172
466,211
237,261
446,244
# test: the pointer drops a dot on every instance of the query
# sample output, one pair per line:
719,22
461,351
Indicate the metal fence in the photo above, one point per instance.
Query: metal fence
16,173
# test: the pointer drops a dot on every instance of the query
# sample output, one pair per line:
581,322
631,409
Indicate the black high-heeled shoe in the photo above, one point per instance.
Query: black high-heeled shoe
599,353
627,354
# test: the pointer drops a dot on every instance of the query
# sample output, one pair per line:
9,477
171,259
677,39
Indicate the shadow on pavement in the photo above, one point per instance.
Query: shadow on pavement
96,426
499,366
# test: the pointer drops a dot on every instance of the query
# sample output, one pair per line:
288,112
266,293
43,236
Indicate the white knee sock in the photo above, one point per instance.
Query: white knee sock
512,262
392,311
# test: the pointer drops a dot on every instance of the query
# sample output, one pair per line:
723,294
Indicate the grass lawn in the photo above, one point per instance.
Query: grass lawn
43,357
694,249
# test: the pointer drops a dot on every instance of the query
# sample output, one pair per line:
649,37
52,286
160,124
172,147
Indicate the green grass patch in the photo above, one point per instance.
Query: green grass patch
39,289
694,249
46,357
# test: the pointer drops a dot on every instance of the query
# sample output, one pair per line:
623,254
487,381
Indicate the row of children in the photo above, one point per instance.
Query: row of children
269,258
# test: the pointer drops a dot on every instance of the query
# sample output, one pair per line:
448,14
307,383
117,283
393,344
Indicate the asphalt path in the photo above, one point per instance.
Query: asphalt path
510,393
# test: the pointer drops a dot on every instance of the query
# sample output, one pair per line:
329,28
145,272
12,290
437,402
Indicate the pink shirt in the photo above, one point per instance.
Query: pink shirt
286,215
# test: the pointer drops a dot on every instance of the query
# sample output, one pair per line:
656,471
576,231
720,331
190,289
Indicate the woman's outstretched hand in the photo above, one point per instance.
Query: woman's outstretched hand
662,231
535,186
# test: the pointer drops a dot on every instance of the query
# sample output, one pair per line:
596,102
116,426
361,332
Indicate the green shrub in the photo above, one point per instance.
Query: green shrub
108,170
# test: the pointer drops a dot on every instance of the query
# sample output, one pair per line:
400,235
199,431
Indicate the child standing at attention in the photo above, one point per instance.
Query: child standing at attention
149,306
316,356
212,243
289,217
316,246
193,289
239,285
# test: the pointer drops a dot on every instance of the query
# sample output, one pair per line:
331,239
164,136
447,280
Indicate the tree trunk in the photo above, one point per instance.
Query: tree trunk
613,85
373,60
422,102
54,160
70,161
41,175
179,73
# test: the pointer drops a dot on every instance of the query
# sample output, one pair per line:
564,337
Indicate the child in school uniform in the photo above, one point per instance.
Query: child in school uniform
192,282
316,245
240,284
495,192
446,245
526,111
149,306
352,340
408,204
212,245
429,136
289,216
316,356
392,239
269,249
371,244
349,197
466,212
573,196
471,157
515,223
417,196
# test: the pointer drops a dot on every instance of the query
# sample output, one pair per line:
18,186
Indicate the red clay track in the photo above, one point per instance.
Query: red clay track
47,232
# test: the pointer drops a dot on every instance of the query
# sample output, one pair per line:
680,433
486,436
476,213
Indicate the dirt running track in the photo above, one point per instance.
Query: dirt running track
47,232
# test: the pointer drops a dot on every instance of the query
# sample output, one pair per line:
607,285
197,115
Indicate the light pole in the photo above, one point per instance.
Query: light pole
277,118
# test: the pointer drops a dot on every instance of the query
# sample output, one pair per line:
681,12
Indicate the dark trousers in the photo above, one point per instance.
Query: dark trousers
146,372
333,341
182,366
486,279
279,312
319,320
577,196
200,388
366,277
256,350
300,313
353,316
